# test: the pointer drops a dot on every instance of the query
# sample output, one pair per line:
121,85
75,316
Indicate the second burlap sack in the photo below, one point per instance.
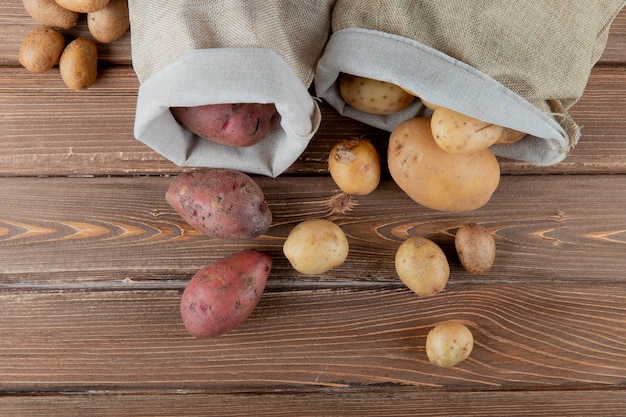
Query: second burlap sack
517,64
198,52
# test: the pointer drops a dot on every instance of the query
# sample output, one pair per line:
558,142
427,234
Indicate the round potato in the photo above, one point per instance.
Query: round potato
458,133
354,165
449,343
79,64
422,266
316,246
476,248
50,13
373,96
41,49
109,23
83,6
510,136
437,179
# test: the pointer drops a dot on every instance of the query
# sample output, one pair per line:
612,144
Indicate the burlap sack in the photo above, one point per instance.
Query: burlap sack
196,52
519,64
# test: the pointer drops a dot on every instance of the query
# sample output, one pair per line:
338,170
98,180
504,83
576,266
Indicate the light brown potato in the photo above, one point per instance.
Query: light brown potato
449,343
79,64
422,266
41,49
373,96
510,136
461,134
354,165
109,23
83,6
316,246
476,248
50,13
437,179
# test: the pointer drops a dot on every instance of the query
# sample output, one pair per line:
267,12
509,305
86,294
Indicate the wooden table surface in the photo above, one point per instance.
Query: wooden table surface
93,262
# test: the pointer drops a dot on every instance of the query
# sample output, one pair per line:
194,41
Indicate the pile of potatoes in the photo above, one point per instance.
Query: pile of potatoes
45,47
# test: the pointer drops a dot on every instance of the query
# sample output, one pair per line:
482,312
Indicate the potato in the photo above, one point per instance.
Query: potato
41,49
79,64
354,165
458,133
83,6
221,203
235,124
449,343
437,179
50,13
316,246
510,136
109,23
221,296
373,96
422,266
476,248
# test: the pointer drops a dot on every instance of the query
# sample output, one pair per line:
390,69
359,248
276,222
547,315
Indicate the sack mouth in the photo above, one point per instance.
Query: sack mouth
440,79
222,76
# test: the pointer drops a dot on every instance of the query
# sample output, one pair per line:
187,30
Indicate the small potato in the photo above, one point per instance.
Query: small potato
437,179
221,203
422,266
79,64
476,248
461,134
354,165
50,13
83,6
449,343
237,124
221,296
41,49
109,23
373,96
316,246
510,136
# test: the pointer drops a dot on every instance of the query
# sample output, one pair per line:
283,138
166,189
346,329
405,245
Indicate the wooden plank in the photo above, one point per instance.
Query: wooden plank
397,402
49,130
545,336
73,232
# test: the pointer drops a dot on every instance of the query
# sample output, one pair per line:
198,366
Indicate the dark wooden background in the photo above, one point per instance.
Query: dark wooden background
93,262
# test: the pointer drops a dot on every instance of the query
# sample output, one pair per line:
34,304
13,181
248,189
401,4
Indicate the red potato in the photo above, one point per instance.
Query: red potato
222,295
221,203
238,125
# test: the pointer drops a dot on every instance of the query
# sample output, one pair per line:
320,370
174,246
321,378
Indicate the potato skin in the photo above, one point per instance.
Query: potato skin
435,178
234,124
458,133
422,266
354,165
221,203
109,23
50,13
373,96
79,64
41,49
476,248
83,6
449,343
222,295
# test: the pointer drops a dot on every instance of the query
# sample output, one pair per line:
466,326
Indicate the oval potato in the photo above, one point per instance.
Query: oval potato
354,165
83,6
79,64
41,49
510,136
316,246
437,179
449,343
422,266
458,133
50,13
109,23
373,96
476,248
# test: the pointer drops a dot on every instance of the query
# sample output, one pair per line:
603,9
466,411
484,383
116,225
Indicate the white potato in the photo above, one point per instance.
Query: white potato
373,96
422,266
449,343
461,134
354,165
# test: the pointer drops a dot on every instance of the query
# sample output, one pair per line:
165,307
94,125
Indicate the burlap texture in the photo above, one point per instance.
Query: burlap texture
542,51
195,52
